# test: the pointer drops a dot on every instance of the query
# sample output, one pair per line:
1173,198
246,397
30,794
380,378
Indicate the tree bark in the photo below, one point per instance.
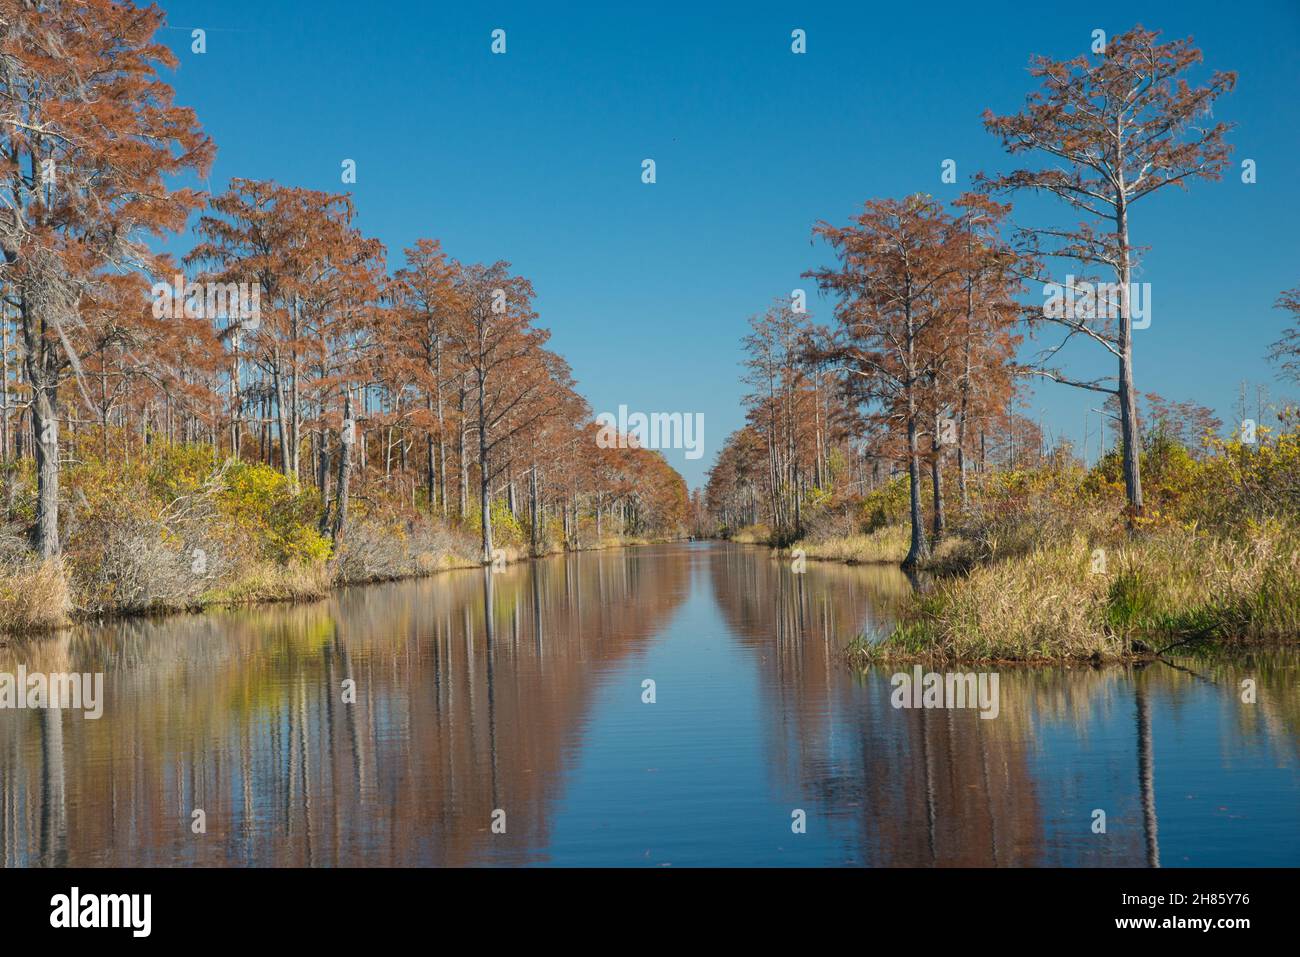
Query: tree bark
485,475
919,548
44,385
1127,393
347,437
936,477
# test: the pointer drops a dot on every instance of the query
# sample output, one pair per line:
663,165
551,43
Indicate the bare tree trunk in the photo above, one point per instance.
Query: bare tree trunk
484,473
1127,393
532,508
919,548
295,413
963,409
323,477
45,425
431,467
347,437
936,478
45,422
278,380
442,432
464,464
236,400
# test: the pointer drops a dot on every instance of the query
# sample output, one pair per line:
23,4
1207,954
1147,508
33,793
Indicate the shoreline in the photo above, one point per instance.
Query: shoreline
101,618
1119,635
857,657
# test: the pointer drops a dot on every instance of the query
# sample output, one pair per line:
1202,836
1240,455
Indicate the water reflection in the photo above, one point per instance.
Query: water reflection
521,692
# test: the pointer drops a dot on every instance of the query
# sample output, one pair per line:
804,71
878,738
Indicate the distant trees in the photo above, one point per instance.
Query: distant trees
262,233
918,364
498,347
732,495
924,312
367,389
417,349
1286,351
895,285
789,408
922,355
443,354
1184,422
987,316
1114,130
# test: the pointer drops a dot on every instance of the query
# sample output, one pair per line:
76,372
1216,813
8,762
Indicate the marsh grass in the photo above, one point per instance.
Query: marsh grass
34,597
888,544
1165,588
752,535
271,582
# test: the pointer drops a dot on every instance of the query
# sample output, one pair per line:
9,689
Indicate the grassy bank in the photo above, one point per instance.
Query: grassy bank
1045,568
883,545
180,531
38,597
1157,591
1043,565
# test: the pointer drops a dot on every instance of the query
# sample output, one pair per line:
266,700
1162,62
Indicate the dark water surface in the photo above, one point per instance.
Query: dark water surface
523,691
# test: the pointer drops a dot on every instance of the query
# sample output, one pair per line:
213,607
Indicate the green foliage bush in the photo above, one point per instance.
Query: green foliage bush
262,503
887,505
506,528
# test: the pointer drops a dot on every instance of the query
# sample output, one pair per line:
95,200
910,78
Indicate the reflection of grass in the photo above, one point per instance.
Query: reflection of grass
1276,708
1033,698
624,541
1166,587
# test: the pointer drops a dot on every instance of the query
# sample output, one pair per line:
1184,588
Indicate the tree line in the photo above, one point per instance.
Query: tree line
282,336
920,367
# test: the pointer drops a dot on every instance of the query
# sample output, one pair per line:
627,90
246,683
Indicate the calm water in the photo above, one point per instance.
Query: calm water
523,692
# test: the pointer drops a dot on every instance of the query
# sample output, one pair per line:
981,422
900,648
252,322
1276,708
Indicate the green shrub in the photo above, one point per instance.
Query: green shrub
281,522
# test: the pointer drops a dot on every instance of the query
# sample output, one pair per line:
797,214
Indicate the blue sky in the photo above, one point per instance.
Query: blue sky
535,157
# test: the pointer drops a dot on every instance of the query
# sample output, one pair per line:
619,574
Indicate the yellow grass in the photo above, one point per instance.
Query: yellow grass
34,596
888,544
1154,592
267,581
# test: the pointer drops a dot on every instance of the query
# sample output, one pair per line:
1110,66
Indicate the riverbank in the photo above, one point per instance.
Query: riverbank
1043,566
180,530
38,597
1071,599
